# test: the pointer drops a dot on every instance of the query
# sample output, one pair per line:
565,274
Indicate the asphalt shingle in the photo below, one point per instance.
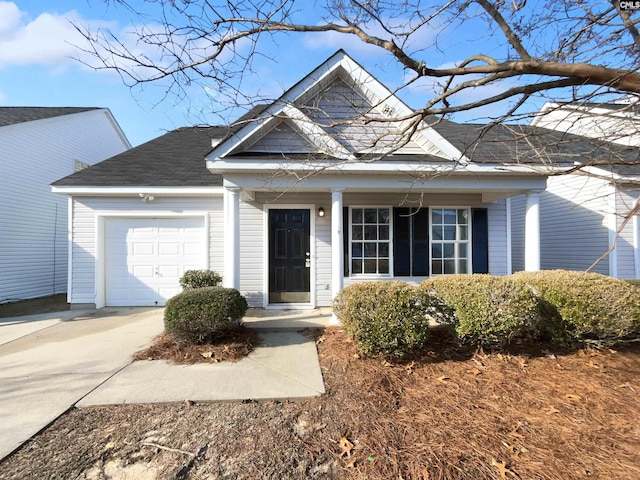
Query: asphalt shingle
178,157
13,115
174,159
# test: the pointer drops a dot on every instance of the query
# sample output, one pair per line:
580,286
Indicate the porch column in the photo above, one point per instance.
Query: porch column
232,238
532,232
337,259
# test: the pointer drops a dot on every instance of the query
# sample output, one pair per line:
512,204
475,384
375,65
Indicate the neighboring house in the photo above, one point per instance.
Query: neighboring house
585,213
299,198
614,122
37,146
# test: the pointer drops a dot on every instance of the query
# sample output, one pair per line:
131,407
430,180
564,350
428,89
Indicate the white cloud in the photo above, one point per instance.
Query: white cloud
48,39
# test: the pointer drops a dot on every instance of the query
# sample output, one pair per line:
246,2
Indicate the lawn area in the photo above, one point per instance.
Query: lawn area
454,413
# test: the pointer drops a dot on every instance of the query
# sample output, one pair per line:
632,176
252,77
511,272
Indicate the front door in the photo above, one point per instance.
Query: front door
289,256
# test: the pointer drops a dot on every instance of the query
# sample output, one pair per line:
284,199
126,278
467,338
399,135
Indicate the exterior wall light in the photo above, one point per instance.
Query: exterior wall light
321,212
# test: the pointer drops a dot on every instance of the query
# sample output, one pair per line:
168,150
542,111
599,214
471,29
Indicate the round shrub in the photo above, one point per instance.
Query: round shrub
594,306
199,279
490,310
203,314
388,318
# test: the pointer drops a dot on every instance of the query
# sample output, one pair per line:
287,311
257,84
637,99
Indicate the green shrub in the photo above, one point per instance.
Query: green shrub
388,318
493,310
203,314
199,279
634,282
594,306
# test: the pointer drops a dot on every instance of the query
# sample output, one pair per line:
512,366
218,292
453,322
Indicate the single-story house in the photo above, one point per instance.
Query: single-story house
327,186
37,146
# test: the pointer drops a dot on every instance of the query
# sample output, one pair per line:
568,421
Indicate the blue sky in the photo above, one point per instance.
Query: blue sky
37,66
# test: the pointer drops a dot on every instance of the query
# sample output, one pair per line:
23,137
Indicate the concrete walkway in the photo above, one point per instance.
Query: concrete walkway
49,363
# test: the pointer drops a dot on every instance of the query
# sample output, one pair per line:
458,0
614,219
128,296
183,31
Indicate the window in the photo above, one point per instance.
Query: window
415,242
450,245
370,241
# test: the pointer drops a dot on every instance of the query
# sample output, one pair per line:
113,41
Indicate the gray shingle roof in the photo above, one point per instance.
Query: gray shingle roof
530,145
174,159
13,115
178,157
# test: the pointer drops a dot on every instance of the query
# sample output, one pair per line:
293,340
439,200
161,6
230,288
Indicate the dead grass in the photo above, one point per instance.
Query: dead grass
452,413
237,344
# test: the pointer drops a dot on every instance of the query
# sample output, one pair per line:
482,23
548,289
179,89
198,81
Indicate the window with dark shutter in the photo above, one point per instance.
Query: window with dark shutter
480,240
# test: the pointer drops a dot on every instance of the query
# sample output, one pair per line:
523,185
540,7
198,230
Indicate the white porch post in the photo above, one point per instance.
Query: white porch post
232,238
532,232
337,258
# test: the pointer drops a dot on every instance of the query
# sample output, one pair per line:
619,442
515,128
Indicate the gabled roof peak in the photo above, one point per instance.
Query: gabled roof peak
378,113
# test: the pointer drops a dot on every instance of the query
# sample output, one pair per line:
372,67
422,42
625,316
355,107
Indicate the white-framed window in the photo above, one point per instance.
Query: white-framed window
450,240
370,238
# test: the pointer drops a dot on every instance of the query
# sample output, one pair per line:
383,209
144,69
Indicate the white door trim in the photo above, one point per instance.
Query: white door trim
312,247
102,216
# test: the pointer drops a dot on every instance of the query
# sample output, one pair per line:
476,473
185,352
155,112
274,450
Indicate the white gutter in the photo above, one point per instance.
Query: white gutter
240,165
170,191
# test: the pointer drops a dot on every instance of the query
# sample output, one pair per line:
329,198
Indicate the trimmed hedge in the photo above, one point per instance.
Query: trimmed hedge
388,318
595,307
493,310
203,314
199,279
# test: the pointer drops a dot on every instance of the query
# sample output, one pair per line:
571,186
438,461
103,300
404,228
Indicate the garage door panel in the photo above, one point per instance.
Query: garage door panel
170,271
140,248
167,248
192,248
145,258
143,272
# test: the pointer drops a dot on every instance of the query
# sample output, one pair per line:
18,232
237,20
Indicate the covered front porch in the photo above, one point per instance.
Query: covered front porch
368,227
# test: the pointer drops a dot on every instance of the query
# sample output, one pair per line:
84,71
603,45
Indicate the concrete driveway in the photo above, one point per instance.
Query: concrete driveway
50,362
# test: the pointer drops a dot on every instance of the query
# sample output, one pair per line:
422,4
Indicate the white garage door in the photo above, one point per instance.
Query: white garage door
145,258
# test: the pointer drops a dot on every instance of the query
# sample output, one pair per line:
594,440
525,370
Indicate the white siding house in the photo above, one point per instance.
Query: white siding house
320,189
584,215
37,146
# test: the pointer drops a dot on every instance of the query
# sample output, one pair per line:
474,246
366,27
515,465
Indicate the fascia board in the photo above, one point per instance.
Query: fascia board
173,191
226,147
608,175
251,165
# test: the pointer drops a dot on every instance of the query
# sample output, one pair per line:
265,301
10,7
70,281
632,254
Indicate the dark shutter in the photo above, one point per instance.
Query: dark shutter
480,240
401,242
420,220
345,240
410,241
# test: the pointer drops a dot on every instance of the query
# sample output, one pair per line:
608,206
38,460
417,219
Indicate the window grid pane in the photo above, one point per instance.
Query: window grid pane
449,241
370,243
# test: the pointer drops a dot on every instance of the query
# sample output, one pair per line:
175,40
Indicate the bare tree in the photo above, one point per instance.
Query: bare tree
538,46
579,51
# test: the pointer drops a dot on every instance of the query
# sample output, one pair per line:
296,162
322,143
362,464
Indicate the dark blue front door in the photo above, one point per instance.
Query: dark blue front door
289,256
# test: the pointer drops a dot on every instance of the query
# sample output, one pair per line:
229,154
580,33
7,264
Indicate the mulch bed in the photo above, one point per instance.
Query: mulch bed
452,413
235,345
